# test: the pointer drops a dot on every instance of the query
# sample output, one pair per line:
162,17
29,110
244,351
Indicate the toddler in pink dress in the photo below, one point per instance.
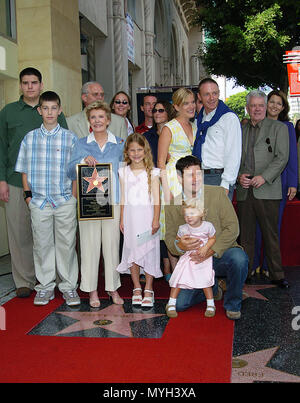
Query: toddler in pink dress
188,274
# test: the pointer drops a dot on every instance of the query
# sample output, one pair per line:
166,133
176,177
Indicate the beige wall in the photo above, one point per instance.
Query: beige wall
49,39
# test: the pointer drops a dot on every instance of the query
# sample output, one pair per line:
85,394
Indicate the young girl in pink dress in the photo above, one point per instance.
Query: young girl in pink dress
188,274
139,221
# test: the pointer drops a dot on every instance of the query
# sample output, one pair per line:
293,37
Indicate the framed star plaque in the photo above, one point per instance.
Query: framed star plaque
94,192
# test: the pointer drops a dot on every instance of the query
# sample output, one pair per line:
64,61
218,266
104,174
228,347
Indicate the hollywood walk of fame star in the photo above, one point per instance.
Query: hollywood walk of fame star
256,369
251,291
95,181
111,318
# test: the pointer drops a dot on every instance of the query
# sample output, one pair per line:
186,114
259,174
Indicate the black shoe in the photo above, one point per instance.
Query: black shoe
23,292
283,283
250,280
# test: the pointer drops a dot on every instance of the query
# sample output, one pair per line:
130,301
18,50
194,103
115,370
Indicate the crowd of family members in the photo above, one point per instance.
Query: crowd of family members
173,183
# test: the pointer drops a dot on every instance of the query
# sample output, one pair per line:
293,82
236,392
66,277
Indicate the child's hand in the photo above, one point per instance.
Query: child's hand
155,227
202,251
186,242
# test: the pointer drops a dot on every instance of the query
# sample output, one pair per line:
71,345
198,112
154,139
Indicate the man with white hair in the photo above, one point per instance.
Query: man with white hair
265,153
90,92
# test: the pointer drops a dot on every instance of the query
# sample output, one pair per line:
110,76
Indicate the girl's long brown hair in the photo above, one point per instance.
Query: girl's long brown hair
148,160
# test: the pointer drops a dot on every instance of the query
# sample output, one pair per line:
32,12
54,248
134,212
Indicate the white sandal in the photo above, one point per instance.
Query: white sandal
148,302
137,299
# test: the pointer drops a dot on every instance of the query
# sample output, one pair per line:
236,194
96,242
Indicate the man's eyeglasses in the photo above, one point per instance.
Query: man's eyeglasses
118,102
158,110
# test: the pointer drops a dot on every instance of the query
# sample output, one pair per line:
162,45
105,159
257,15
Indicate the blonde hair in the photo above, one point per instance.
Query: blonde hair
98,105
181,95
194,203
148,159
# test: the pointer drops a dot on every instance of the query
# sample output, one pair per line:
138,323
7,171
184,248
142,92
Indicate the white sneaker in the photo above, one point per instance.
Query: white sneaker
71,297
43,297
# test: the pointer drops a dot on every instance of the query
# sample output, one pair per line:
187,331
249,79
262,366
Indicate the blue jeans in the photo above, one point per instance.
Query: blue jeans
234,266
215,180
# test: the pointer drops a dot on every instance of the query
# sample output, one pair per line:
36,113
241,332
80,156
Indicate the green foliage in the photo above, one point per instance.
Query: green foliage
237,103
248,39
261,30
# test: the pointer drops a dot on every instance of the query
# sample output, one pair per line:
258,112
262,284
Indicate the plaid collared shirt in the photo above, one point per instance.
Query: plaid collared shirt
44,156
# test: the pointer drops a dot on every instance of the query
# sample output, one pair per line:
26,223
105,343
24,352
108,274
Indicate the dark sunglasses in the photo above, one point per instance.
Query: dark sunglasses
158,110
269,147
117,101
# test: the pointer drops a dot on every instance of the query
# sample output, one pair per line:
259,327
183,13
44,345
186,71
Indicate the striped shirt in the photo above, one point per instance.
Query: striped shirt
44,156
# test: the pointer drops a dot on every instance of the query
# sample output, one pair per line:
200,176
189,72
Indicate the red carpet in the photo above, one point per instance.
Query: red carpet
193,349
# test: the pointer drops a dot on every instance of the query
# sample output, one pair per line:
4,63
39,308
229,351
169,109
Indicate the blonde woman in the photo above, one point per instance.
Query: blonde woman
139,222
176,141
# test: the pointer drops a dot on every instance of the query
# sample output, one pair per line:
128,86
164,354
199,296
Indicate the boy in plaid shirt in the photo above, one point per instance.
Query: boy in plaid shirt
43,158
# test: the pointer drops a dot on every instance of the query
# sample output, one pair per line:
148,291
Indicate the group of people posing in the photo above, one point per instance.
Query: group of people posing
173,181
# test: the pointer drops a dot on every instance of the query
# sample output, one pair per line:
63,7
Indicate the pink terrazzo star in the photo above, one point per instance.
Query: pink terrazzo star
256,369
120,321
251,291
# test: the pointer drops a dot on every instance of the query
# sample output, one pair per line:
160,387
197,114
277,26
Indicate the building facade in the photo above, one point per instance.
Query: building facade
129,45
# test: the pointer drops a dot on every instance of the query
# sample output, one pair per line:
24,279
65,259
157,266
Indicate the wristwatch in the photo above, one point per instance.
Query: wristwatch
27,193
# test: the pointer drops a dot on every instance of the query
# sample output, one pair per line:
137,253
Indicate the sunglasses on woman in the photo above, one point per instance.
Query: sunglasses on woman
158,110
117,101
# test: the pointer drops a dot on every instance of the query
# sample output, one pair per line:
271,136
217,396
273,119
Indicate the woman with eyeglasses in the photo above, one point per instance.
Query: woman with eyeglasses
278,109
121,105
163,112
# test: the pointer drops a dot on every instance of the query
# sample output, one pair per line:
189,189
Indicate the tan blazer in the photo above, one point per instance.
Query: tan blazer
79,125
271,154
220,212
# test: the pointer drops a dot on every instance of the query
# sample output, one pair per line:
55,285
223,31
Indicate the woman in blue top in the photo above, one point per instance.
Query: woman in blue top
101,146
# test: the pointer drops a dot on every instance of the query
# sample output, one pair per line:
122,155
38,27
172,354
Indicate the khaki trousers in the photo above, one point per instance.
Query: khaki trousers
93,234
20,239
54,241
266,212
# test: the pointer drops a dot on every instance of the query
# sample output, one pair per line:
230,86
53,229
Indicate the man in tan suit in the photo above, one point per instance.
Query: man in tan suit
78,123
265,153
229,260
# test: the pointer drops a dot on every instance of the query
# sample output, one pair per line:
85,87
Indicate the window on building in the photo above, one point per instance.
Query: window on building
8,18
135,9
131,9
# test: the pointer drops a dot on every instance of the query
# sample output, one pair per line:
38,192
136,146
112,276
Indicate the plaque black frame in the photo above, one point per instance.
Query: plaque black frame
88,206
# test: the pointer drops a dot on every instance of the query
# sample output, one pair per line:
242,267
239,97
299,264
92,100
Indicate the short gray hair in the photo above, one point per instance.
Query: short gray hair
256,93
85,87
